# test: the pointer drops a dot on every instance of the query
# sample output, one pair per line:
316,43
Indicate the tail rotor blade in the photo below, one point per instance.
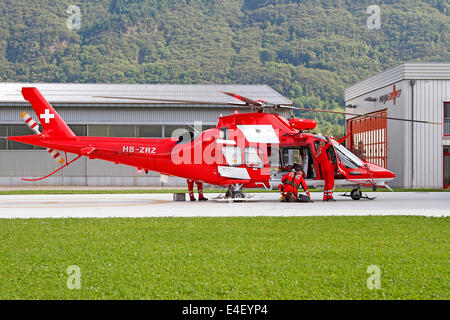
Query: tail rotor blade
35,128
30,122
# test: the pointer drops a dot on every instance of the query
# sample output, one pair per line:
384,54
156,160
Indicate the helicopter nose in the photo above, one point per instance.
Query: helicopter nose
380,172
389,174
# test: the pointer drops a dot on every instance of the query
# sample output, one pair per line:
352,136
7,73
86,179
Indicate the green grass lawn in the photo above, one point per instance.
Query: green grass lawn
225,258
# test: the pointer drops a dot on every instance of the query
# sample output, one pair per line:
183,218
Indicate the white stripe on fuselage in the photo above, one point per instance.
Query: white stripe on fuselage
234,172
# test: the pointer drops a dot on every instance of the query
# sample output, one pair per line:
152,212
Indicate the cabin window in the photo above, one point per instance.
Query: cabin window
233,156
253,157
347,158
224,135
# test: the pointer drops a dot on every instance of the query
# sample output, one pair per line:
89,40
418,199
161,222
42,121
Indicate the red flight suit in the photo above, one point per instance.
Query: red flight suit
291,182
199,189
327,170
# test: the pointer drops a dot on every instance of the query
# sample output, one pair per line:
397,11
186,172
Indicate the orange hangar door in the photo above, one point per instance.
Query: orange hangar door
369,138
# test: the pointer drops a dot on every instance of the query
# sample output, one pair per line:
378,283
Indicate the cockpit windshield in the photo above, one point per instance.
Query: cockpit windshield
347,157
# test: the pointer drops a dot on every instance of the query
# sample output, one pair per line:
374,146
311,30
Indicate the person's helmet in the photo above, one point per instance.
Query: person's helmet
299,170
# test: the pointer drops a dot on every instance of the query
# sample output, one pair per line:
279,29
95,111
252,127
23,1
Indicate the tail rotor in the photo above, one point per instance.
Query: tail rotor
35,128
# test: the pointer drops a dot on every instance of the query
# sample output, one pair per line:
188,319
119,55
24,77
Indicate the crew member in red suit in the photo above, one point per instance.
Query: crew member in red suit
201,197
327,170
291,182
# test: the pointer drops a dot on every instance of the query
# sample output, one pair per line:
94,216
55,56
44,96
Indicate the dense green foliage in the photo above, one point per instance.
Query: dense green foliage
309,50
225,258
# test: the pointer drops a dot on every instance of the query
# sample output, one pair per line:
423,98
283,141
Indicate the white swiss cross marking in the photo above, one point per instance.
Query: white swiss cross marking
47,116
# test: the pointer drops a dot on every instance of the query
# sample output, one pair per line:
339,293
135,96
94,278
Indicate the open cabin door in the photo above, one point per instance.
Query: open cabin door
283,159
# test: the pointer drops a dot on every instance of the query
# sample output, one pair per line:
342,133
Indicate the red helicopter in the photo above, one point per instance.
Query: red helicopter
248,150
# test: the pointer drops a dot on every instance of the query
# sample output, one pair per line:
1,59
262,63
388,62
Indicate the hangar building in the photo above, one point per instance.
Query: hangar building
419,154
88,115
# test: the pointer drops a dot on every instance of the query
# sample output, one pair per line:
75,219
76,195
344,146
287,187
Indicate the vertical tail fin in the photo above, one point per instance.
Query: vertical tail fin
52,124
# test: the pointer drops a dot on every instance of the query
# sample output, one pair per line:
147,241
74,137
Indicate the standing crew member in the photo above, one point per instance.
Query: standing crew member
327,170
291,183
201,197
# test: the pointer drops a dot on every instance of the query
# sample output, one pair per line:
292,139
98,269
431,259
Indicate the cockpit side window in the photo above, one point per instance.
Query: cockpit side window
347,158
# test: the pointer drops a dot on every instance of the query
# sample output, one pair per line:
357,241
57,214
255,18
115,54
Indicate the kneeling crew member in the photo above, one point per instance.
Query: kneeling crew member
199,189
327,170
291,183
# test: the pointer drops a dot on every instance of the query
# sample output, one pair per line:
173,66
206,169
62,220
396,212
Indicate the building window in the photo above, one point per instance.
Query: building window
149,131
447,167
175,131
98,131
15,130
447,118
78,130
122,131
18,130
3,137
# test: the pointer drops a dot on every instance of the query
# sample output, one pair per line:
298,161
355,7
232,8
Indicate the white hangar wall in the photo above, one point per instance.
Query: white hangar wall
415,151
79,105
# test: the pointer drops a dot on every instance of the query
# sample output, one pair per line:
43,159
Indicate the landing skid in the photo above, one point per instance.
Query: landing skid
230,200
234,194
361,195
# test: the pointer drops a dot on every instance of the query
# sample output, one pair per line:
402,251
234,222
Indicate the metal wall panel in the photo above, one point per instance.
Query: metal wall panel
427,71
77,104
133,116
374,83
397,132
408,71
430,96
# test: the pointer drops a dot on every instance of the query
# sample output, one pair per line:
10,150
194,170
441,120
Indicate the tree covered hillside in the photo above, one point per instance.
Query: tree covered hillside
308,50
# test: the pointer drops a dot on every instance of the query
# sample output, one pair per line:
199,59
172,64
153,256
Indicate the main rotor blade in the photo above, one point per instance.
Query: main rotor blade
364,115
173,101
246,100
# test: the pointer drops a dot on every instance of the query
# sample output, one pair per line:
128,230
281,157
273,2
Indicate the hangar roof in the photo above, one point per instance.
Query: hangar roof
87,94
404,71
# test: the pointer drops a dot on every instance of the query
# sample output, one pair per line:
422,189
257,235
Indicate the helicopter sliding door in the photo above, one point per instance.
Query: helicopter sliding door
231,163
232,156
244,163
254,157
